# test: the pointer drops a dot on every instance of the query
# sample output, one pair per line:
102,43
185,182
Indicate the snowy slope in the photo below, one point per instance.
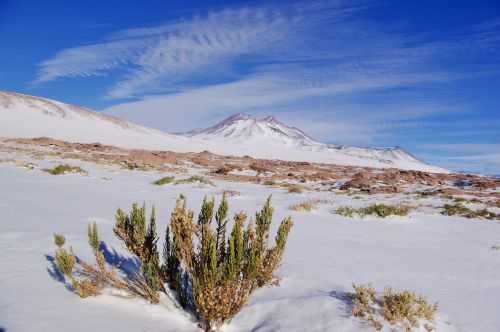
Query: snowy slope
28,116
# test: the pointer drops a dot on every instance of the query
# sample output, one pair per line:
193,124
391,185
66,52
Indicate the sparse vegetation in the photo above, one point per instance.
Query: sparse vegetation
231,193
63,169
379,210
89,280
304,206
295,189
211,275
404,309
462,210
269,183
164,180
195,179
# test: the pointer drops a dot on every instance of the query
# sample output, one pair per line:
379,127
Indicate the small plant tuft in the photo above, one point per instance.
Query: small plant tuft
195,179
164,180
404,309
295,189
59,240
461,210
379,210
63,169
307,206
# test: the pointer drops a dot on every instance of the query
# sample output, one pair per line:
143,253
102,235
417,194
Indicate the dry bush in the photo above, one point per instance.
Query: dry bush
295,189
211,274
164,180
379,210
461,210
404,309
307,206
231,193
63,169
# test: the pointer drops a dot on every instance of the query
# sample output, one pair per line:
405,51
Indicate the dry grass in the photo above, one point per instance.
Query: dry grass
295,189
307,206
231,193
403,309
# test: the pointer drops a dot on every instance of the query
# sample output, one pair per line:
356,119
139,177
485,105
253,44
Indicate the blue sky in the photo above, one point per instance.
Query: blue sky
422,75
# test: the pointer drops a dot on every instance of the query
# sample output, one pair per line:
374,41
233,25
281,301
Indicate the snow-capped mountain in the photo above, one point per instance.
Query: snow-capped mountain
273,135
28,116
242,128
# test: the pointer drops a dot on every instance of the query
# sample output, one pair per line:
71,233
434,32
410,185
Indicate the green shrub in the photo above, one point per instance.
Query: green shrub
382,210
211,274
461,210
347,211
63,169
164,180
379,210
195,179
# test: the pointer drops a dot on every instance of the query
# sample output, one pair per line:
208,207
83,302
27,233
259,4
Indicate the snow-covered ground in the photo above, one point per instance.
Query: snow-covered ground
447,259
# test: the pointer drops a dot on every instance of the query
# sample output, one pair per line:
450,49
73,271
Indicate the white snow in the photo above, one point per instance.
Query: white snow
28,116
447,259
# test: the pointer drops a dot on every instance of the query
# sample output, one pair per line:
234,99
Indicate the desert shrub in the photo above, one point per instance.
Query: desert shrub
404,308
269,183
379,210
211,274
459,200
347,211
195,179
407,307
231,193
304,206
89,280
164,180
63,169
461,210
382,210
295,189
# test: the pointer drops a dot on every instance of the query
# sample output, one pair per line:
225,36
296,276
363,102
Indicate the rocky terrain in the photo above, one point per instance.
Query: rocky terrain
316,176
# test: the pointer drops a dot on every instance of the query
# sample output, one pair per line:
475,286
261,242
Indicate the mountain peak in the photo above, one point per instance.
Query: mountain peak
242,127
